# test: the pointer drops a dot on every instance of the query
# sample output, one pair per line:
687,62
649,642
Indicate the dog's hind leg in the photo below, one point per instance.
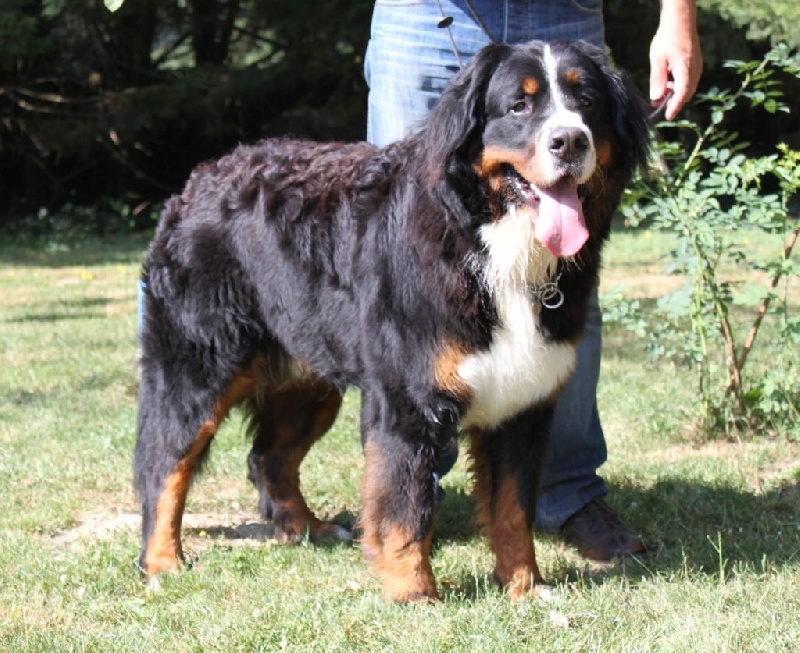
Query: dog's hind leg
173,440
285,423
398,495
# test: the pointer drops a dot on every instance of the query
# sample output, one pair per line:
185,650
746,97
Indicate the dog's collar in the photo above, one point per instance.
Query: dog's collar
548,294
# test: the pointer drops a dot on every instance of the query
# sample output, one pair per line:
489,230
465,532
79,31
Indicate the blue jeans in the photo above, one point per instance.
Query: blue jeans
408,63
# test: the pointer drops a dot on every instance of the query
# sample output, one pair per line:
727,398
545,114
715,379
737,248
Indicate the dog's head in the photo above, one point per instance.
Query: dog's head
545,126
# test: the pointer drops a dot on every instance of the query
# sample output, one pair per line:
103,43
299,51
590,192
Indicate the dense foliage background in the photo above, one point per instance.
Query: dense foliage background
117,106
95,103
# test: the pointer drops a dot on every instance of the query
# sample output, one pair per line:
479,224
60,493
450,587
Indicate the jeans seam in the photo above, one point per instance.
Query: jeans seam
587,10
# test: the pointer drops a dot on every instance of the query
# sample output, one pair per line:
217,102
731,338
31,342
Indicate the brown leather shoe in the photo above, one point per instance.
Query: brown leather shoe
598,533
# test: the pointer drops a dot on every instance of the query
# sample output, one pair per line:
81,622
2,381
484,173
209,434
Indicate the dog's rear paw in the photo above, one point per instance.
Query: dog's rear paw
318,532
328,531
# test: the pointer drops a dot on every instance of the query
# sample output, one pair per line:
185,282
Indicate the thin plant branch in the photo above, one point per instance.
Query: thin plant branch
762,310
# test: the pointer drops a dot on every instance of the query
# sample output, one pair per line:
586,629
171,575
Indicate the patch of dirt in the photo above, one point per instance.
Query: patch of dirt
639,285
775,464
239,529
721,449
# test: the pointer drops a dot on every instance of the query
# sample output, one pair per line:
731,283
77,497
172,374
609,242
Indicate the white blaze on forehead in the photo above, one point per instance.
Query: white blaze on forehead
563,117
551,70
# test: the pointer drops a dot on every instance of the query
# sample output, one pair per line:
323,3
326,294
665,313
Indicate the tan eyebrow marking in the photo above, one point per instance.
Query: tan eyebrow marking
530,85
573,76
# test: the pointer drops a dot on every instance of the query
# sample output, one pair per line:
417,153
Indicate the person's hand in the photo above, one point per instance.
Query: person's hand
676,60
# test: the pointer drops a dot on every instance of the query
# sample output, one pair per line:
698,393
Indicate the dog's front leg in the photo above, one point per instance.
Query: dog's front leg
506,464
398,495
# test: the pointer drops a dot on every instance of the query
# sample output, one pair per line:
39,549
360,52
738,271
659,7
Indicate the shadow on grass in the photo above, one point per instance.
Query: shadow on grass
253,531
694,525
52,252
456,517
690,528
76,309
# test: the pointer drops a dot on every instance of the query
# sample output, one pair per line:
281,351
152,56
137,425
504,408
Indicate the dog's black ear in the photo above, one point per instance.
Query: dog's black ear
628,109
457,119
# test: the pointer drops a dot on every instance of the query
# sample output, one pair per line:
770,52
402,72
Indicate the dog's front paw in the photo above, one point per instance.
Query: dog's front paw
524,583
421,588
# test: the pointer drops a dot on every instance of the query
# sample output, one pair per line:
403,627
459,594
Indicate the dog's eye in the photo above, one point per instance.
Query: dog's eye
521,107
586,102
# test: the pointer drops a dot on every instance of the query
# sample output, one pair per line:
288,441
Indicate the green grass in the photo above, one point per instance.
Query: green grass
722,518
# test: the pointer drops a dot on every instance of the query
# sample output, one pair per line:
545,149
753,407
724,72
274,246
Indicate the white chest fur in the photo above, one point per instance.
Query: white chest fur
520,367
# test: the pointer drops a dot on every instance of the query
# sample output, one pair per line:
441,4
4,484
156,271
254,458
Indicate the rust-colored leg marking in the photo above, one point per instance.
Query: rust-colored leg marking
292,435
402,564
505,523
512,542
399,560
164,550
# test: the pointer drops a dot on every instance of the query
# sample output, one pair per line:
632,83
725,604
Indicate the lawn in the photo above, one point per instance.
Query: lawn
722,518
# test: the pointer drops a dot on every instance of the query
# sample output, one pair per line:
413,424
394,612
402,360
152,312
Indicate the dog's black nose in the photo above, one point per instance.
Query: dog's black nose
567,143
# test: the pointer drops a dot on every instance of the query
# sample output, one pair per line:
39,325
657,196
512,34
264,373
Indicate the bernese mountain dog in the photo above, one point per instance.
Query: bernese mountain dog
446,276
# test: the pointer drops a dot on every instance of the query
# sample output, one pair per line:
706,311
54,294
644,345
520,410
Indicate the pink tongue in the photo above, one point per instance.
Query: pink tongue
560,225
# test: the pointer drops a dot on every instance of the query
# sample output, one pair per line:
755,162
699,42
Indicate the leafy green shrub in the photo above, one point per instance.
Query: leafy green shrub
773,20
708,195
